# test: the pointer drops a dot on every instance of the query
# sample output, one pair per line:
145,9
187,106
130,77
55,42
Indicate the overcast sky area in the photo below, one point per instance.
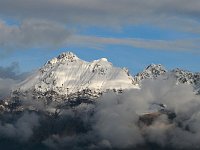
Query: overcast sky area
130,33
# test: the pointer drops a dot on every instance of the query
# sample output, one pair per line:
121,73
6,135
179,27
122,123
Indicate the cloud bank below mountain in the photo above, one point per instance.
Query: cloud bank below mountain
112,123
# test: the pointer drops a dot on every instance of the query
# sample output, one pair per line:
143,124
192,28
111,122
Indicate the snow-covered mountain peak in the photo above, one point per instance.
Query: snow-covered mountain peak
68,75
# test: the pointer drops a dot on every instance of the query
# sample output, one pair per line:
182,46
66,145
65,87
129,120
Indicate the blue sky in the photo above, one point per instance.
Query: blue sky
129,33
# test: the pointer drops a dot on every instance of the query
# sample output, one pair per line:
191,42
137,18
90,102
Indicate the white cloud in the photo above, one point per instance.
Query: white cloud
116,116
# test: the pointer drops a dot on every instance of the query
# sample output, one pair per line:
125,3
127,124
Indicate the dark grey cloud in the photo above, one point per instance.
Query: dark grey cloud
32,34
12,72
99,11
22,129
6,86
9,77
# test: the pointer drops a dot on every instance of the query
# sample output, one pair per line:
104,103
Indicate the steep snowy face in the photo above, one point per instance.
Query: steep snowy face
67,74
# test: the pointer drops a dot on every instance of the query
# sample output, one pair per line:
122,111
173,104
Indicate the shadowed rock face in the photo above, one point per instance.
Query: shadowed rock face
149,118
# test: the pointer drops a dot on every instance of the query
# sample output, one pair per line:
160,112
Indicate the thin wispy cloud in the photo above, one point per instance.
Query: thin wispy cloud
167,45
